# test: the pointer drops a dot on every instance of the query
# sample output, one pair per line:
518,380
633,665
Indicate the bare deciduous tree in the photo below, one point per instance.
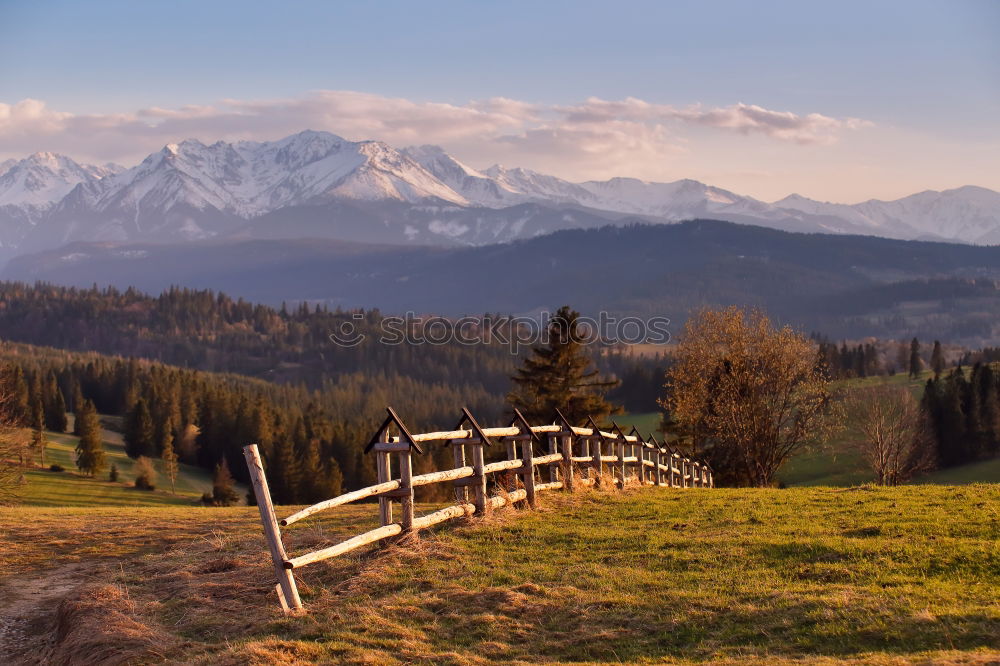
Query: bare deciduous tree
750,395
13,445
893,438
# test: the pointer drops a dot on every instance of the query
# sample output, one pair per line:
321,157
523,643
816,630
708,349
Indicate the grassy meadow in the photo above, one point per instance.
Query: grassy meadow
836,462
823,575
70,488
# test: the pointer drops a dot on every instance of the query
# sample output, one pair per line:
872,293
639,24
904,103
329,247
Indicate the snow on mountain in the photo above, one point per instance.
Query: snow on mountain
316,184
250,178
42,179
967,214
475,186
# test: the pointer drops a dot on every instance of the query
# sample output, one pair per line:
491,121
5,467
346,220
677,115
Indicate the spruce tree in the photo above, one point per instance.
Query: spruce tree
55,405
558,376
20,397
937,359
915,363
140,434
78,402
89,450
223,492
168,455
36,411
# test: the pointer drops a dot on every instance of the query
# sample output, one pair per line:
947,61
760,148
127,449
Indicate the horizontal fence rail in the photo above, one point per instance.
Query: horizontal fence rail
585,456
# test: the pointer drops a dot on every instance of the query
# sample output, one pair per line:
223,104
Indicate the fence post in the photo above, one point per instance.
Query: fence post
553,469
479,477
595,451
620,452
657,475
637,454
567,451
528,471
458,455
288,593
406,490
384,465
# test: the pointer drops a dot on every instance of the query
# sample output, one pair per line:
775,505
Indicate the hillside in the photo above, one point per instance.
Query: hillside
863,575
843,286
71,489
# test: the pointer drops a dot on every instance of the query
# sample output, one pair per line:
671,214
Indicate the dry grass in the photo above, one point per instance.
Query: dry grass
647,576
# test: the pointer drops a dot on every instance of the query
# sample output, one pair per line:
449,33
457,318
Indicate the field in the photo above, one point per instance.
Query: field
70,488
836,462
650,575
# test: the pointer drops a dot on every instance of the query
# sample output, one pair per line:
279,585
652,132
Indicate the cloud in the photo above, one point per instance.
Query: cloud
594,137
813,128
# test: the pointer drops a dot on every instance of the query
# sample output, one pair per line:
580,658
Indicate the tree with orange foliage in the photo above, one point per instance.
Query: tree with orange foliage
748,394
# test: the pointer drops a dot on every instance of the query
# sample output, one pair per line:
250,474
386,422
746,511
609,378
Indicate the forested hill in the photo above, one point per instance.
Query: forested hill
844,286
312,440
208,331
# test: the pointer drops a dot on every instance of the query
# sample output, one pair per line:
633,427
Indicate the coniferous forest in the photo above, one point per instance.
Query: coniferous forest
204,374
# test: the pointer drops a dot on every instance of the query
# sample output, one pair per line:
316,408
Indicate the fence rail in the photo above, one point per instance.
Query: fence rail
587,456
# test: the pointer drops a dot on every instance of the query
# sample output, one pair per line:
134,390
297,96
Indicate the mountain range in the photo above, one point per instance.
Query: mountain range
318,185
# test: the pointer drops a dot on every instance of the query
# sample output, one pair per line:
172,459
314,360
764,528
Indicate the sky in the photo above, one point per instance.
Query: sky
839,101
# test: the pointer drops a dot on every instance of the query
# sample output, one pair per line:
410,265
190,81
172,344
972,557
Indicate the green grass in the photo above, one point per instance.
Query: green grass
648,423
868,574
987,471
70,488
836,462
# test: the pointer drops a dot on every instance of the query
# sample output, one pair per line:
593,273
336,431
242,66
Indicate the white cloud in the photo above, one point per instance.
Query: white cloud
596,137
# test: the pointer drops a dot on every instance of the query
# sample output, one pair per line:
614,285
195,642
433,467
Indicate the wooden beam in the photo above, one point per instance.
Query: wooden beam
371,536
340,500
289,592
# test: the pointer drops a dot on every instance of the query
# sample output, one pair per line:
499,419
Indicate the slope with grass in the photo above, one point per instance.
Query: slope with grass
836,461
863,574
70,488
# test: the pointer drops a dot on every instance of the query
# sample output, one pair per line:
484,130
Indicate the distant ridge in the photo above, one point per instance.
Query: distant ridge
841,285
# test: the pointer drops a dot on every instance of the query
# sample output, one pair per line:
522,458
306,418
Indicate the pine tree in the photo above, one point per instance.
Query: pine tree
89,450
140,434
223,492
937,359
78,403
36,411
915,362
55,405
20,397
168,455
558,376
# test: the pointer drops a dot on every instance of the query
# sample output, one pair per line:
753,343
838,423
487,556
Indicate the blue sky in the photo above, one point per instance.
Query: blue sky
902,79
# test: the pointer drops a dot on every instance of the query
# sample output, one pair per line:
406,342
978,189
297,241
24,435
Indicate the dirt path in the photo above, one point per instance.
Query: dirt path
28,603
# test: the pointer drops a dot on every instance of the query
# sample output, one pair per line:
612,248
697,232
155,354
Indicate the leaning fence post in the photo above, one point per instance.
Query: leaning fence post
288,593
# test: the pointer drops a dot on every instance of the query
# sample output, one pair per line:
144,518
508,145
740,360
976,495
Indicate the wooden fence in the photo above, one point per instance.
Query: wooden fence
573,456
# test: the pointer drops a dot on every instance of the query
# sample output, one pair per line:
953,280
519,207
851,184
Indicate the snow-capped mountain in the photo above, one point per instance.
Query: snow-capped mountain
970,214
42,179
30,188
316,184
